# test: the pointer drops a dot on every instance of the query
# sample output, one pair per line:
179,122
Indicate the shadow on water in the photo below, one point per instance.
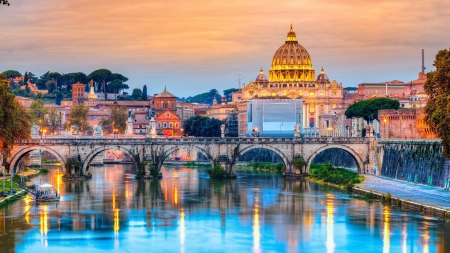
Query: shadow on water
186,211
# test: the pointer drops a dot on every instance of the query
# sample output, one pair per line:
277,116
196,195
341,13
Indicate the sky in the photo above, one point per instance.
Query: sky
194,46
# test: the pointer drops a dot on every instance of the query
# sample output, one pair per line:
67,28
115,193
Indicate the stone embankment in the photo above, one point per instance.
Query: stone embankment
428,200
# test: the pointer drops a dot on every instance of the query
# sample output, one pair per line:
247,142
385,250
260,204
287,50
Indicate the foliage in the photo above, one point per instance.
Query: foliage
118,120
54,120
14,120
144,93
279,167
117,85
368,109
4,2
38,112
78,118
11,73
337,176
437,110
137,94
228,93
202,126
206,98
217,172
73,165
298,163
59,98
102,76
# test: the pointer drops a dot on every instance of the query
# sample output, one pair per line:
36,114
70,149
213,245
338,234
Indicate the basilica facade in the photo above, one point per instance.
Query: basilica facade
292,76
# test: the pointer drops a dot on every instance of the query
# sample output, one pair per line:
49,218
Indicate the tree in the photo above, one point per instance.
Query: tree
38,112
14,120
11,74
298,163
54,120
117,85
59,98
437,110
207,97
137,94
4,2
55,77
118,120
368,109
228,93
51,86
102,76
202,126
78,118
144,93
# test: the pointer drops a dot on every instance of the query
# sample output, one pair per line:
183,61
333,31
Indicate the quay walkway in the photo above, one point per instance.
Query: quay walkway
423,194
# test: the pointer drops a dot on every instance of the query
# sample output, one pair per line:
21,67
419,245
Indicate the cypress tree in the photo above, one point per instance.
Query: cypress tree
144,93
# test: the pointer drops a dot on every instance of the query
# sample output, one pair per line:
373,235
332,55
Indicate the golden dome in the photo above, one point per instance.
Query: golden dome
291,62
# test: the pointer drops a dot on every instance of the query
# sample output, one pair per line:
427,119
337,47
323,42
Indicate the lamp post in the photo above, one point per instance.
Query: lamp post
40,127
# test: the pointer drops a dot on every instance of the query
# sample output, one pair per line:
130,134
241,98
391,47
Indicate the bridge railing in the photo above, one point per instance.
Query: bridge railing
173,140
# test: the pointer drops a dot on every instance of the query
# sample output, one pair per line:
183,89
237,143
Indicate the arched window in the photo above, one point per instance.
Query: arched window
170,125
164,125
176,125
165,105
159,125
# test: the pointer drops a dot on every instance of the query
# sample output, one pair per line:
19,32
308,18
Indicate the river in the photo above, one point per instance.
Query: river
187,212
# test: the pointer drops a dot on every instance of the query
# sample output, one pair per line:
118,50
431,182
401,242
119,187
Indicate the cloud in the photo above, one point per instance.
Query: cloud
194,46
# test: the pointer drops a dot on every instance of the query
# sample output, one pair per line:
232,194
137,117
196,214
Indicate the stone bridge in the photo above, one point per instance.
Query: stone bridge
223,150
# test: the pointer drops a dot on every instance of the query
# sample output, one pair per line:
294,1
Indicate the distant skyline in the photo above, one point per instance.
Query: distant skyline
194,46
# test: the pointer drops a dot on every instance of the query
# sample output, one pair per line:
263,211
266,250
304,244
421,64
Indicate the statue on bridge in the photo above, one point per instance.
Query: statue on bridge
97,131
35,131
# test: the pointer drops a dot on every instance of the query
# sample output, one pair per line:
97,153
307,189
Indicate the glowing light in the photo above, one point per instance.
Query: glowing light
182,230
426,239
256,233
27,208
330,224
176,195
386,231
44,225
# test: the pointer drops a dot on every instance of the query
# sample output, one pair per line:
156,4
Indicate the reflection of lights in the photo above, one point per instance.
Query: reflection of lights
126,189
182,230
330,224
176,196
256,233
404,235
58,180
27,208
386,232
426,238
44,225
116,226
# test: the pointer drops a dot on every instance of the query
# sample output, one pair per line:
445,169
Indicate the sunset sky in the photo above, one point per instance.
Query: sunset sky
194,46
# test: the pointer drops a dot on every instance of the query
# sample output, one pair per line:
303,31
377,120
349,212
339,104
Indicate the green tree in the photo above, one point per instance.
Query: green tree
368,109
207,97
144,93
78,118
56,78
54,120
137,94
202,126
59,98
51,86
437,110
14,120
38,112
117,85
118,120
101,76
11,74
298,163
228,93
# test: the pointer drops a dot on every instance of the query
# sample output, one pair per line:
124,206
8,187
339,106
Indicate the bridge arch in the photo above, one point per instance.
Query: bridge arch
352,152
179,147
14,161
98,150
287,162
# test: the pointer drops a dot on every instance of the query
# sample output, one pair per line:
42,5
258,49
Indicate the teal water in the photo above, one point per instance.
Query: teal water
187,212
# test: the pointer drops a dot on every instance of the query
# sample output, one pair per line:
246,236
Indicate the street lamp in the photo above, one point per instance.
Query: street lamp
182,130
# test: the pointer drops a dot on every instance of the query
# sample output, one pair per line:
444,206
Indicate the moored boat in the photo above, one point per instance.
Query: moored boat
46,193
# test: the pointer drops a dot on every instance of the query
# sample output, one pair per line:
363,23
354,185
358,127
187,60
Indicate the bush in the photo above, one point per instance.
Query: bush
217,172
337,176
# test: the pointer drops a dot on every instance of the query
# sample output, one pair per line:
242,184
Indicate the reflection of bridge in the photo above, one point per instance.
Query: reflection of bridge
224,150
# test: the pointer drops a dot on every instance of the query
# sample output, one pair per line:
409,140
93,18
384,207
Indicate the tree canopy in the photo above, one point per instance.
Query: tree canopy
206,98
144,93
14,119
11,73
368,109
4,2
137,94
202,126
78,118
437,110
38,112
118,120
228,93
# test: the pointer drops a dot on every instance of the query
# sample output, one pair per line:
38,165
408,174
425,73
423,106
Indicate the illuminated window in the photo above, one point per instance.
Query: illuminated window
311,93
334,93
418,106
311,109
284,94
301,93
274,94
333,106
264,94
321,93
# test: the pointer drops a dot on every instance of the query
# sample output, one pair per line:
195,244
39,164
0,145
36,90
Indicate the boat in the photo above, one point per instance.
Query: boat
46,193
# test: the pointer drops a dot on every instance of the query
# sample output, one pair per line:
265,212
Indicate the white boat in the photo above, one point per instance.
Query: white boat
46,193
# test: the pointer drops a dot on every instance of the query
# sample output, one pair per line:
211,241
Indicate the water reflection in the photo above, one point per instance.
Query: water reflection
187,212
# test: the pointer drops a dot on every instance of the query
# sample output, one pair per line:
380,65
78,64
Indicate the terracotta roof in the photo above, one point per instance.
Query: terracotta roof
165,94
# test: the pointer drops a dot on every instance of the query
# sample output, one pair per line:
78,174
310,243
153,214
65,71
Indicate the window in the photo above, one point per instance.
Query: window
284,94
164,125
321,93
274,94
333,106
311,109
264,94
334,93
159,125
301,93
176,125
311,93
170,125
165,105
